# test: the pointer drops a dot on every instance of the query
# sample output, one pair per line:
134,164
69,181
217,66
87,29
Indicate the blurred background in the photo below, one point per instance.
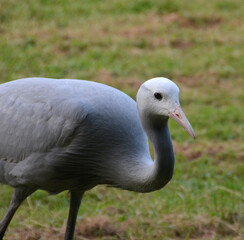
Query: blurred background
200,46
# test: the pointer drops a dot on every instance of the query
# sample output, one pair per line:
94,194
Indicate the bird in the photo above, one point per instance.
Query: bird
68,134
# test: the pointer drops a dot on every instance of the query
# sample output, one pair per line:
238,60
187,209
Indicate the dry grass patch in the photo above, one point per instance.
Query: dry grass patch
106,76
192,21
99,227
199,22
215,150
201,227
33,233
91,228
180,44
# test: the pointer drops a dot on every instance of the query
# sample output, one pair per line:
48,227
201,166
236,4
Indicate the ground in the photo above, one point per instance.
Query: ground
200,46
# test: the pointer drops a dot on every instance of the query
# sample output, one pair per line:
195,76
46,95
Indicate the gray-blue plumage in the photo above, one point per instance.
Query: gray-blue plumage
69,131
72,135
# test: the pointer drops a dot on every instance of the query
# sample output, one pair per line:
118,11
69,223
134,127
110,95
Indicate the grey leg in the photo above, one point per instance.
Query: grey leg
75,201
19,195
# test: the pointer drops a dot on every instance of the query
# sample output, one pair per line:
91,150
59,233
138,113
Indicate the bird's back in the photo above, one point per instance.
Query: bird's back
66,129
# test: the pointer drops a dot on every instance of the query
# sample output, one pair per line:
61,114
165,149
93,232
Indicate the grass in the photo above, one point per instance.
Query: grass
198,44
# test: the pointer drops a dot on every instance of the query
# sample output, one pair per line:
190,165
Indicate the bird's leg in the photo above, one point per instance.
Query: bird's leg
75,201
19,195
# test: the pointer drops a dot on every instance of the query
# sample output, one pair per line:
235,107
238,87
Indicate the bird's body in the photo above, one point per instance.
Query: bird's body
72,135
68,134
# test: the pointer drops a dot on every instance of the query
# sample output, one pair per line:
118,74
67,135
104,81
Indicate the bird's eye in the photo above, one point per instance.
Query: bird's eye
158,96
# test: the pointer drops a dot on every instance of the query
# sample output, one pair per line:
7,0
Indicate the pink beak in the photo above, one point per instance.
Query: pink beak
179,116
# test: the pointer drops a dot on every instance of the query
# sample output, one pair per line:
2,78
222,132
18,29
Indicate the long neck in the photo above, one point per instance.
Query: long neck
148,176
162,169
163,166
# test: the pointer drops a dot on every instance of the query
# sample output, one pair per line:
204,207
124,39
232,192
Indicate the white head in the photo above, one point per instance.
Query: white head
160,97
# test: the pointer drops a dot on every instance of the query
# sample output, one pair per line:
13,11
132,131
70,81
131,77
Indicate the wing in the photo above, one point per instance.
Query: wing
28,127
31,128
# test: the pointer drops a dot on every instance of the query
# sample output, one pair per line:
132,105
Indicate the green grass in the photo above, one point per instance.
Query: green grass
198,44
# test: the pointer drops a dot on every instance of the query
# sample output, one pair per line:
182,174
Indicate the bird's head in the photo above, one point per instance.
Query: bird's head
159,98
